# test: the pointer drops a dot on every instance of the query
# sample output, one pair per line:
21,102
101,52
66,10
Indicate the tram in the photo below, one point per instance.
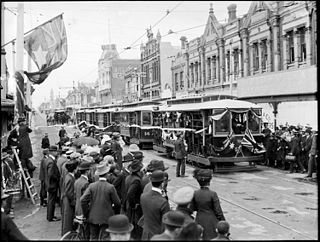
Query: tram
222,134
136,122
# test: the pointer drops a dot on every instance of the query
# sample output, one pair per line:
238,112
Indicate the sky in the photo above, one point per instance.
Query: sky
89,25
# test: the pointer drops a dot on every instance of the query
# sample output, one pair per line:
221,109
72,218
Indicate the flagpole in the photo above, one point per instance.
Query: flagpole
32,29
20,44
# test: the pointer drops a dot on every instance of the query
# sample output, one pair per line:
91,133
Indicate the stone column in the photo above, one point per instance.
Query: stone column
269,53
275,41
251,58
285,49
212,70
231,65
217,68
245,53
240,63
226,66
296,36
308,45
222,63
260,55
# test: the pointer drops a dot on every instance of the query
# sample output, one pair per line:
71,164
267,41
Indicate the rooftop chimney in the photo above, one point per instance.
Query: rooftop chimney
232,9
183,42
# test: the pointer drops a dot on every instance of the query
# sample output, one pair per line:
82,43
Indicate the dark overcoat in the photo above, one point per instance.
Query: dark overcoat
180,149
53,176
80,186
117,149
24,143
9,230
154,206
209,212
45,143
97,201
68,204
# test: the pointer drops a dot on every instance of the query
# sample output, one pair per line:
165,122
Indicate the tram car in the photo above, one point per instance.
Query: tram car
222,134
136,123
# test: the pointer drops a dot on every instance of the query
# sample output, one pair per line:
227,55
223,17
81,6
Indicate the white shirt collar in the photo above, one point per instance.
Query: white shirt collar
102,179
71,174
157,190
85,177
52,157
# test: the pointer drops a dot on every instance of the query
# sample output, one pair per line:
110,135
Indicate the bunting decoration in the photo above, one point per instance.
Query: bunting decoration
20,100
249,142
47,46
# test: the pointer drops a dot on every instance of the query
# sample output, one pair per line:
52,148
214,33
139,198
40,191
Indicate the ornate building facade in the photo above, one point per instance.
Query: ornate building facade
267,56
133,92
155,66
111,75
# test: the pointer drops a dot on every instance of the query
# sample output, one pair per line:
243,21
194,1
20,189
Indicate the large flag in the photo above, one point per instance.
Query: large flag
248,141
20,98
47,46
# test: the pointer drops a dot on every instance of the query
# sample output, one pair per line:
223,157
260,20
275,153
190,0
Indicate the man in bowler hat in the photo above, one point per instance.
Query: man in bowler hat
119,228
154,206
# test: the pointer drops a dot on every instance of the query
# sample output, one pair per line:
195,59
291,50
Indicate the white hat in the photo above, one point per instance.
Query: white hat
183,195
102,168
133,148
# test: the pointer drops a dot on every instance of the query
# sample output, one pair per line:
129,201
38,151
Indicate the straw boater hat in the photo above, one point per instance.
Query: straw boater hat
119,224
102,168
133,148
183,195
173,218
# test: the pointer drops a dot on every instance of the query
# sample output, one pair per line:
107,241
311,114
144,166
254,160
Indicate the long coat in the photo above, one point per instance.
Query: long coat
9,230
24,143
53,176
68,204
97,200
154,206
45,143
80,186
209,212
180,149
117,149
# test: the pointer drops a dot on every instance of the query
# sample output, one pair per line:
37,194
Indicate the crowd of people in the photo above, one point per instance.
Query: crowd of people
119,198
292,148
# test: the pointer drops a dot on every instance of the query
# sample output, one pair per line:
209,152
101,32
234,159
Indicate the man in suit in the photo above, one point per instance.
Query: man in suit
68,198
180,155
42,178
45,143
117,149
62,132
313,154
99,202
52,181
133,193
154,206
80,186
173,221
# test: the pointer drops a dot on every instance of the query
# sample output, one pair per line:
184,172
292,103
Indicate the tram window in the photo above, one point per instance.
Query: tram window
239,123
253,122
146,118
223,125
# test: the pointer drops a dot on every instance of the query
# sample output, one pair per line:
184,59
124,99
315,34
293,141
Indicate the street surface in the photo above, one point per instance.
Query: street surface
268,204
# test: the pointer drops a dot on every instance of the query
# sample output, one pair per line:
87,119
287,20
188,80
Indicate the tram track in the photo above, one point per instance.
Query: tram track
248,210
254,213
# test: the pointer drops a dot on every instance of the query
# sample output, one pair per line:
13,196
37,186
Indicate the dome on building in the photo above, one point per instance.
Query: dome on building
109,51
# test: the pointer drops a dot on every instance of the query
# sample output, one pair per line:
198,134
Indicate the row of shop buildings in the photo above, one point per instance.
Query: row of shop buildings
267,56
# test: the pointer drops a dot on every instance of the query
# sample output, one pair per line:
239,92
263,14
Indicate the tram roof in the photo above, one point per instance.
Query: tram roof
216,104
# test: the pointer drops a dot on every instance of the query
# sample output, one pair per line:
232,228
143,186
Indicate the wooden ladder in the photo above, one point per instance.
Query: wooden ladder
27,179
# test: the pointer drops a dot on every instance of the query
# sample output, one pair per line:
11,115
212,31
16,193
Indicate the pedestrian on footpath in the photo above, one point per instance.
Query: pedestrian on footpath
119,228
206,203
45,143
68,198
42,178
9,230
180,155
62,132
99,202
154,206
172,221
53,182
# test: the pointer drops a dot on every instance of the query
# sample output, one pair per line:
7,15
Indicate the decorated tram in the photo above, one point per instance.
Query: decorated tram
222,134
